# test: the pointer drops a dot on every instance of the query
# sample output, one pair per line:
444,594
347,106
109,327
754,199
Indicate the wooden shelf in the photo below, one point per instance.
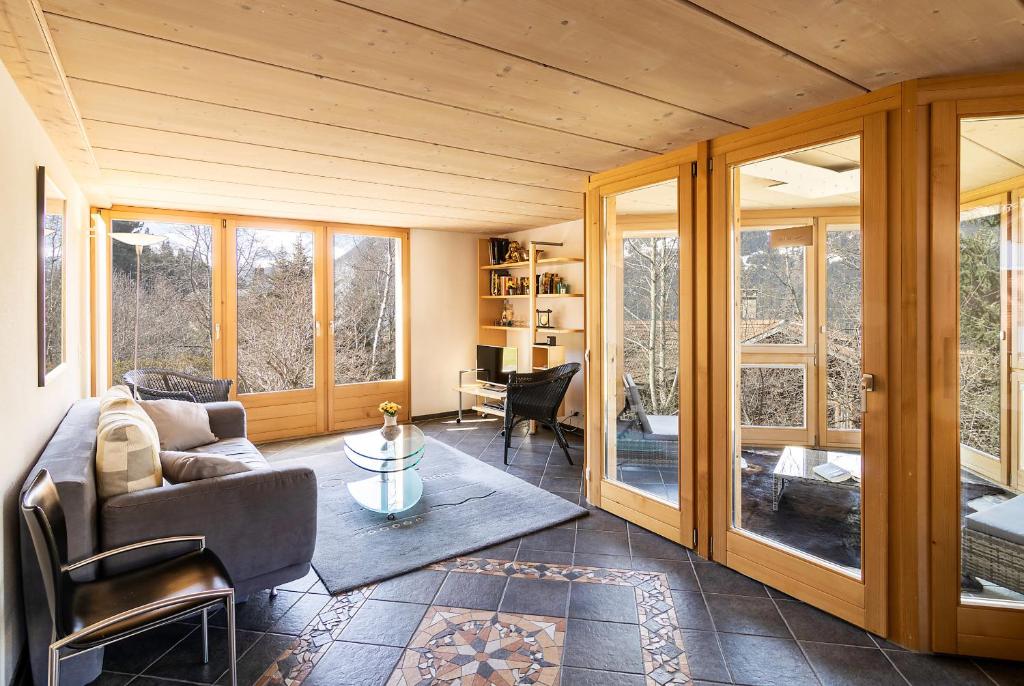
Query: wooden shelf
559,295
503,297
559,260
546,330
495,327
507,265
483,409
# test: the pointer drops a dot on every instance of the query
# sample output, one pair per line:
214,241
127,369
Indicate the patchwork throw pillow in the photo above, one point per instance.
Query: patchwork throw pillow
180,425
179,467
127,446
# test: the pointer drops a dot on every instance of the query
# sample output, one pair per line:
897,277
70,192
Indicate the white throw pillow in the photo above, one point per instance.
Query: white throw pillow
127,447
179,467
181,425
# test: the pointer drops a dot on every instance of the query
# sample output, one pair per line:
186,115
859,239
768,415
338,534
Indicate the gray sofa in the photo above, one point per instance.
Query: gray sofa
262,523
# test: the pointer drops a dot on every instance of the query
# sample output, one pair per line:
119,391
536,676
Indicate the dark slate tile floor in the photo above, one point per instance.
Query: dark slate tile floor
735,630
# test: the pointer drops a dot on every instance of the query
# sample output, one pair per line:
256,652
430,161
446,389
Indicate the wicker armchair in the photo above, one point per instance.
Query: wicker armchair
536,397
157,384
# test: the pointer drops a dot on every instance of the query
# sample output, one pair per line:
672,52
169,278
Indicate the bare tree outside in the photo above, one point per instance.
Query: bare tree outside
843,293
365,308
175,316
651,319
980,329
276,336
53,288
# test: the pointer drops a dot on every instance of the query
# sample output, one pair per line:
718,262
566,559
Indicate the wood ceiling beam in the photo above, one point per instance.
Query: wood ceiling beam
389,55
27,51
131,60
164,182
131,107
665,50
876,46
321,208
133,139
257,176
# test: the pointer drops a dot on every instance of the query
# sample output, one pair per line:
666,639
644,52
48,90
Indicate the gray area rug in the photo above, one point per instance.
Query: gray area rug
467,505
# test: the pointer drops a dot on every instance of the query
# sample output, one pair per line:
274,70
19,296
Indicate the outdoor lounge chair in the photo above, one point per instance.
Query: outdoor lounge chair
645,439
993,545
157,384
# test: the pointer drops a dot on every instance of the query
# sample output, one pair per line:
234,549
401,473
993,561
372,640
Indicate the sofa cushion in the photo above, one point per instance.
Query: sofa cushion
236,447
179,467
127,447
1005,521
180,425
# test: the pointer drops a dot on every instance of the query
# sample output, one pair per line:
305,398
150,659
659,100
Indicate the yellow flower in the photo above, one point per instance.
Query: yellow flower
389,407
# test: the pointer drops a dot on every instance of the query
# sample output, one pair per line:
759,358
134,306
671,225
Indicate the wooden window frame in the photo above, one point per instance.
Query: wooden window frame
279,415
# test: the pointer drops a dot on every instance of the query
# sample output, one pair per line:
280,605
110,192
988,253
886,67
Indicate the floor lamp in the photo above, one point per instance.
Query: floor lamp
140,241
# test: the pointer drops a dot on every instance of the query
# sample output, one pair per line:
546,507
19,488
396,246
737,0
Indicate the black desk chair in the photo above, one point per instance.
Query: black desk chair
536,397
92,614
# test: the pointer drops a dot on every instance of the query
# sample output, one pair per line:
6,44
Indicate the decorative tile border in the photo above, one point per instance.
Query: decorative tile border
482,648
661,639
297,661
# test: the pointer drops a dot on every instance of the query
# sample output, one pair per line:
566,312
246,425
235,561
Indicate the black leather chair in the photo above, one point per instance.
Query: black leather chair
89,615
536,397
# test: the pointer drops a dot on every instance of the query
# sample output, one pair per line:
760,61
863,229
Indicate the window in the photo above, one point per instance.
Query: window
53,278
365,325
773,395
276,317
175,298
772,287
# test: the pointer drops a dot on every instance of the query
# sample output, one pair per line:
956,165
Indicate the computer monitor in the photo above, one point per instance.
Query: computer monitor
495,362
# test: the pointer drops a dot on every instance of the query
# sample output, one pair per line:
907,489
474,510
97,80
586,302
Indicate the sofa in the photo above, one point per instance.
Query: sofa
260,523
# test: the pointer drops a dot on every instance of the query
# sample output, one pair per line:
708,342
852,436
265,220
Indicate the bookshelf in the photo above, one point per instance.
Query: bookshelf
532,356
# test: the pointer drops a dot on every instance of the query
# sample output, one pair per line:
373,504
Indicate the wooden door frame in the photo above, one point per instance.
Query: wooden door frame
126,213
360,400
273,416
861,601
991,630
675,523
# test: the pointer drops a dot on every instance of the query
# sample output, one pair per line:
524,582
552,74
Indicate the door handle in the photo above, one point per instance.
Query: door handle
867,385
216,332
317,327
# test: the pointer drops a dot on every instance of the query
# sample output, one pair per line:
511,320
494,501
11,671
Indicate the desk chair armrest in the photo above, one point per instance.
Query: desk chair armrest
201,540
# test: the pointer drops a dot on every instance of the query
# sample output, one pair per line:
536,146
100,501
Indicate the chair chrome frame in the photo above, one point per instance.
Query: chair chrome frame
215,598
49,537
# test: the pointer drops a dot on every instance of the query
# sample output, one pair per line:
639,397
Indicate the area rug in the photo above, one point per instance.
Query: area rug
467,505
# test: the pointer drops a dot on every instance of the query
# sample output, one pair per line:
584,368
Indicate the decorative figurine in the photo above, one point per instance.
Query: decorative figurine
515,252
507,313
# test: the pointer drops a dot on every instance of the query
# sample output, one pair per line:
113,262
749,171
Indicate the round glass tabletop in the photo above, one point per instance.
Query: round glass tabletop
407,441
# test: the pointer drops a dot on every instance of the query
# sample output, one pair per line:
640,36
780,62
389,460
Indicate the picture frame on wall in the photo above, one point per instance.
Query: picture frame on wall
51,219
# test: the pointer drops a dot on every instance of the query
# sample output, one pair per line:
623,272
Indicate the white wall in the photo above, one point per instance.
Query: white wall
566,312
443,268
30,414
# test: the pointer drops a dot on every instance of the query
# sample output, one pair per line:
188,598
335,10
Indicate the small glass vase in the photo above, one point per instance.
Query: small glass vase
390,429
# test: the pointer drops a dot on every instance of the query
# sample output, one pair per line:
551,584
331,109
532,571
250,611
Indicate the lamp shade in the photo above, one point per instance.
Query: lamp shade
143,239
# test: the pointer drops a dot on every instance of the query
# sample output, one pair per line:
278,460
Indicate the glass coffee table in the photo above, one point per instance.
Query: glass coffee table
395,485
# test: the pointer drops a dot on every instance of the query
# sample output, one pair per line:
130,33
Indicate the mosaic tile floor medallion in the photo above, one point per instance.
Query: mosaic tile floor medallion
462,647
475,648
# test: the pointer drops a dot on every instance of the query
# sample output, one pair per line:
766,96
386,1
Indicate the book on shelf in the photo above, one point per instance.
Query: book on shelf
503,283
498,250
549,283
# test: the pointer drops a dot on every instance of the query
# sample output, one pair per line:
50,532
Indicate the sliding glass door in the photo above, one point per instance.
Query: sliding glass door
275,326
309,320
368,323
645,348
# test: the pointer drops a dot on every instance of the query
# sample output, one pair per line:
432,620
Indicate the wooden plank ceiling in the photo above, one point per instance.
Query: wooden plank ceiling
472,115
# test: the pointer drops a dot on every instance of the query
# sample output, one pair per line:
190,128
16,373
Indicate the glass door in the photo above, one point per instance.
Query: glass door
368,358
275,331
978,493
804,470
646,352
